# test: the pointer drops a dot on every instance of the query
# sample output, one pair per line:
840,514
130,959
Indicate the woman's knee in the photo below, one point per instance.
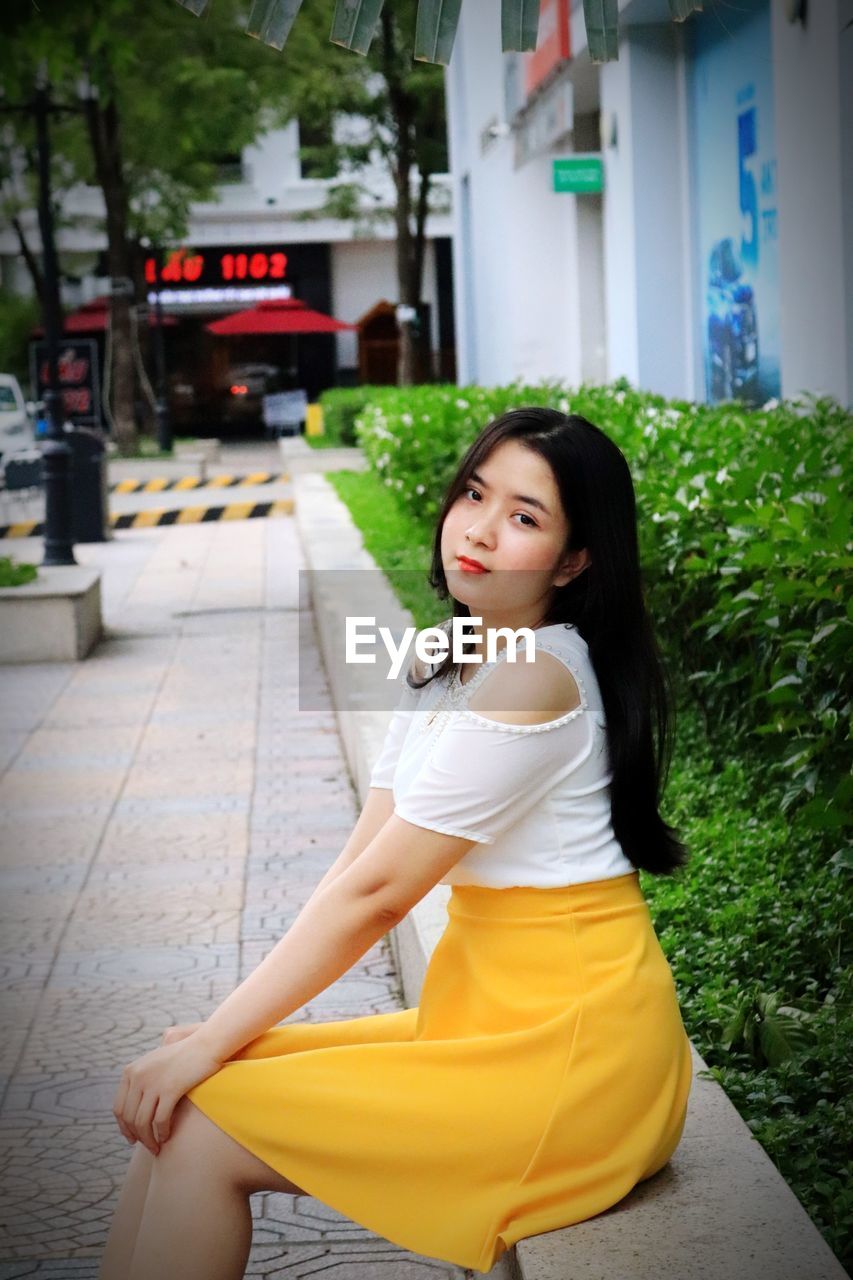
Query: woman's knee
199,1147
194,1142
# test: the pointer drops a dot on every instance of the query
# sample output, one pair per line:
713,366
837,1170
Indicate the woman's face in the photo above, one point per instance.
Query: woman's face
511,520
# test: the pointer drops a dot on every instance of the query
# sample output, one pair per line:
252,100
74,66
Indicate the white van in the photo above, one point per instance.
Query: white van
16,426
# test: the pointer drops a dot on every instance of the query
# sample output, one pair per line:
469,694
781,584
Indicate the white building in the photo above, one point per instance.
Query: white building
719,257
263,233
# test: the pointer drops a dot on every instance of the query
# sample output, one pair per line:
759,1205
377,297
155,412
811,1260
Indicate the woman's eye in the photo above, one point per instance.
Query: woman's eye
523,514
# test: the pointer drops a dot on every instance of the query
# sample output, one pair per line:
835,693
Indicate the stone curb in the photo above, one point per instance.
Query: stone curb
720,1209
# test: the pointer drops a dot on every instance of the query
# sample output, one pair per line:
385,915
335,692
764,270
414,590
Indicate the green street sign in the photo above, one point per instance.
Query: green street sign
579,175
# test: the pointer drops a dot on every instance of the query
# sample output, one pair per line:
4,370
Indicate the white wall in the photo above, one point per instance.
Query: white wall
474,97
845,79
813,177
543,298
272,161
516,272
590,273
620,266
363,273
646,250
661,258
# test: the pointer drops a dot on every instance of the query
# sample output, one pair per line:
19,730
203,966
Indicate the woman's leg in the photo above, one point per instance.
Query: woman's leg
197,1220
115,1262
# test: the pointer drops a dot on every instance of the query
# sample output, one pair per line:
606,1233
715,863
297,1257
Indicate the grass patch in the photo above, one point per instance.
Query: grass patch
16,574
148,448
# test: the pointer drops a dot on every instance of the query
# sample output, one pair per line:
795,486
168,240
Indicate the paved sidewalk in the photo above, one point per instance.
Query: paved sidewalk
165,810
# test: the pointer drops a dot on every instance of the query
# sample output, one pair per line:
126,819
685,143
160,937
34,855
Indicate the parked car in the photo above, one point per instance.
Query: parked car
732,327
190,404
16,426
240,399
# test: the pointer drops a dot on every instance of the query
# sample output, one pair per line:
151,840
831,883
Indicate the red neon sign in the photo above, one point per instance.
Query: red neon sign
255,266
182,267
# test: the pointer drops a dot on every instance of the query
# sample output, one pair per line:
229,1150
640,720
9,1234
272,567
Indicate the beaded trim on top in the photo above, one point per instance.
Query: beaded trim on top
455,697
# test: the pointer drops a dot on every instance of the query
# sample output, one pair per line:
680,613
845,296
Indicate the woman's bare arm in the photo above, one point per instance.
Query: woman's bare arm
376,810
342,921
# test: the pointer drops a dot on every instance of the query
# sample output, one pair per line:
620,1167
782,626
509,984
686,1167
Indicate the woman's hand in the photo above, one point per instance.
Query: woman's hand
173,1034
151,1087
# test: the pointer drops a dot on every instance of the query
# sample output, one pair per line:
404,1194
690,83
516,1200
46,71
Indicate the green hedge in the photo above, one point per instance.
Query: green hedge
18,315
744,532
341,407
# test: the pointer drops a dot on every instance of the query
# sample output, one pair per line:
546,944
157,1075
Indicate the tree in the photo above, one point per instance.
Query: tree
18,188
395,109
437,20
158,102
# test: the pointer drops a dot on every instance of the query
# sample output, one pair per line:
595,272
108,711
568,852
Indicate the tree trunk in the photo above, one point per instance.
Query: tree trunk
30,259
403,113
148,420
105,136
407,292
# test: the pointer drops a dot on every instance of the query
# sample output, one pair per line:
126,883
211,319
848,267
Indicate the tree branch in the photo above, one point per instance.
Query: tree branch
29,258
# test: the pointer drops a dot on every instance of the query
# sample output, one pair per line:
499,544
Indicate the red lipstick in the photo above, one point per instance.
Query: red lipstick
471,566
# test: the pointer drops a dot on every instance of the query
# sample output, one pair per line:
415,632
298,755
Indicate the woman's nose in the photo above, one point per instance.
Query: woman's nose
482,532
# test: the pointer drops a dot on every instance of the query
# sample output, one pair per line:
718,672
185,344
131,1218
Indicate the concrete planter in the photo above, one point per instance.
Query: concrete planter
55,618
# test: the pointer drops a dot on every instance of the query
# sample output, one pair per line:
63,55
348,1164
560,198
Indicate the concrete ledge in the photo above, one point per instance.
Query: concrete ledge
199,453
55,618
298,456
719,1210
209,449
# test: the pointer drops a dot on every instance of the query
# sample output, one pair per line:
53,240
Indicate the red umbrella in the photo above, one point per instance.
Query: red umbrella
92,318
278,315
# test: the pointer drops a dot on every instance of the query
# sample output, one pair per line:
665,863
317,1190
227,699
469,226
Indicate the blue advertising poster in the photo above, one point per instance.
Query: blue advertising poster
734,192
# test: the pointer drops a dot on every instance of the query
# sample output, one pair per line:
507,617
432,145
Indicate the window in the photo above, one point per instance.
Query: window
315,141
229,168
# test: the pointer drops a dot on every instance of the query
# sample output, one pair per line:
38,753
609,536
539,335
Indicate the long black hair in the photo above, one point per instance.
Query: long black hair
605,603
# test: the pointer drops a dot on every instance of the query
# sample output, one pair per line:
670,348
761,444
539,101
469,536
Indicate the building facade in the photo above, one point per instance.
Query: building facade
715,256
264,236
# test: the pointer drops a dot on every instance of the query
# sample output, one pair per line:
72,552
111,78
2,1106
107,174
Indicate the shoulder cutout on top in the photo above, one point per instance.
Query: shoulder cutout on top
418,669
529,693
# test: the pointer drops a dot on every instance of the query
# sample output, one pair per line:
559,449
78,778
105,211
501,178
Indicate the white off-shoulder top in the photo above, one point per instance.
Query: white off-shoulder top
535,797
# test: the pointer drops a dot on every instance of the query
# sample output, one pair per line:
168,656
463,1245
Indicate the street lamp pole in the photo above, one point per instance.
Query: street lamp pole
164,422
56,453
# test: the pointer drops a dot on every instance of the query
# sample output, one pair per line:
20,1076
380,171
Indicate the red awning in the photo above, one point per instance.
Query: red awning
278,315
93,316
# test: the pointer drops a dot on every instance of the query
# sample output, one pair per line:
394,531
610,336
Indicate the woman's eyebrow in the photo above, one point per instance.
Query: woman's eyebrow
516,497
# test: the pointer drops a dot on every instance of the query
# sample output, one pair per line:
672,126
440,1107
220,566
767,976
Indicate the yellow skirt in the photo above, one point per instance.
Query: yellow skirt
544,1073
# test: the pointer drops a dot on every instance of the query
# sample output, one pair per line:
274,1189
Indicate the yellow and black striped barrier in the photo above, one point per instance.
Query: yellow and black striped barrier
162,483
182,515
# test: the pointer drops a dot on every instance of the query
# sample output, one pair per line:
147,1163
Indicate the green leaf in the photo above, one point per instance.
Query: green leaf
842,860
436,30
258,15
276,22
823,632
783,1033
786,680
354,24
602,29
519,25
